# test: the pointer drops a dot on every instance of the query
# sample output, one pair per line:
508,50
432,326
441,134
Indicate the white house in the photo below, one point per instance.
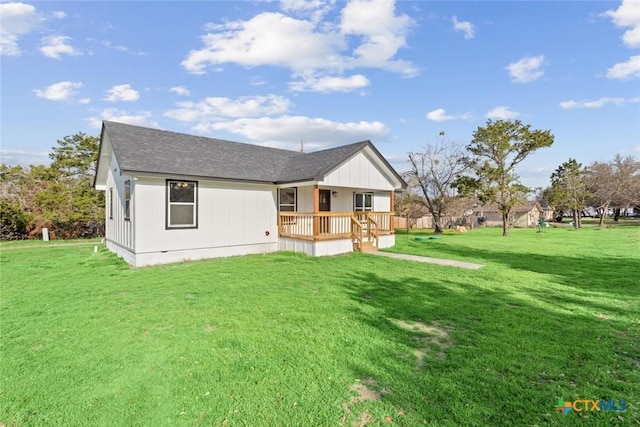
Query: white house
173,197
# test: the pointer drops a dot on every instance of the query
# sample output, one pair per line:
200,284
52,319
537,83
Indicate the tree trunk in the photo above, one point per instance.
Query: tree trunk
616,214
407,224
602,212
437,224
575,219
505,224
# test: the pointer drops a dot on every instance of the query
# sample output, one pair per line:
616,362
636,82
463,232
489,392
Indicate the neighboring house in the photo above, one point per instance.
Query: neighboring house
548,213
526,215
173,197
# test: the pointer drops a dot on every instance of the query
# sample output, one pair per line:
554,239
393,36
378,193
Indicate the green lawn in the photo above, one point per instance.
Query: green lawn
288,340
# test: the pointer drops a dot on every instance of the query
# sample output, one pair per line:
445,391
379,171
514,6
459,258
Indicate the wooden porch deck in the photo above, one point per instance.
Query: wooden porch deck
363,228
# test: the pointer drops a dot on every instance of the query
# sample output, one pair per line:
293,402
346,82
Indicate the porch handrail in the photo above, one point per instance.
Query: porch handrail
373,231
334,225
356,231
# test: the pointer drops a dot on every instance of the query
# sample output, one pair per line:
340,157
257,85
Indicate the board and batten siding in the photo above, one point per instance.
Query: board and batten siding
343,199
358,172
119,230
228,215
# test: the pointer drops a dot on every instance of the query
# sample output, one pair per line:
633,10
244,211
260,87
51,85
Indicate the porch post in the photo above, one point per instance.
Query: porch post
392,196
316,210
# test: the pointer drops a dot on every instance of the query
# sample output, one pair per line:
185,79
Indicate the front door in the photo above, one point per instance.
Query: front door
325,206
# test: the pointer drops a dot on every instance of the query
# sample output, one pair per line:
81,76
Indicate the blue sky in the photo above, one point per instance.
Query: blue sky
328,73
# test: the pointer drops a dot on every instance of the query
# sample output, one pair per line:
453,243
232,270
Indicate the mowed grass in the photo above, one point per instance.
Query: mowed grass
288,340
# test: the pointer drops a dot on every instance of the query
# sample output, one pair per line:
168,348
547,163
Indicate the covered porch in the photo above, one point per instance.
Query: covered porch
365,227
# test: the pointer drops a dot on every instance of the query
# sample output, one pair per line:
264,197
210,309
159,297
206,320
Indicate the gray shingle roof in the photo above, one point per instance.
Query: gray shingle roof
145,150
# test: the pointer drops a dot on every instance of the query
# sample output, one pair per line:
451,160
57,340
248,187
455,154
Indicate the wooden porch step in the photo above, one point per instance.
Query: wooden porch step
366,247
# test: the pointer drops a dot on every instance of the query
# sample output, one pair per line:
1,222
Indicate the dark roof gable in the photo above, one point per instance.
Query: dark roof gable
158,152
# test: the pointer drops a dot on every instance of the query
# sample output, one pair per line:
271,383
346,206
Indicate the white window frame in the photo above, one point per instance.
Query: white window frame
127,200
293,205
169,204
110,202
364,207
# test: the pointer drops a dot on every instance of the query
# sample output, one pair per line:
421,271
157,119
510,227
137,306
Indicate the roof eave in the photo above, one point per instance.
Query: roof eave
133,173
95,177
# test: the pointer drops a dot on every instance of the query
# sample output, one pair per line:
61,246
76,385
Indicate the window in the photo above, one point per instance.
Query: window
111,203
287,202
127,199
182,209
363,202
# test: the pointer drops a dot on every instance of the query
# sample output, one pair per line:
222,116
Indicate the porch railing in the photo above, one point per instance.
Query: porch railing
333,225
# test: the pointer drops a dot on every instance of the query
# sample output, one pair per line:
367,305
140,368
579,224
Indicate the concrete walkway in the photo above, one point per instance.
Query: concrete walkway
439,261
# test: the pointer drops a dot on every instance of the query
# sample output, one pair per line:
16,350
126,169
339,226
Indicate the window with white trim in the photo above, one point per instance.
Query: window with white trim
127,199
182,204
287,199
111,203
363,202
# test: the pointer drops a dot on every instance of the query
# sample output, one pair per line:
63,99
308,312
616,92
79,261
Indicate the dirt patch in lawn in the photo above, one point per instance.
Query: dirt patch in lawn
433,339
364,391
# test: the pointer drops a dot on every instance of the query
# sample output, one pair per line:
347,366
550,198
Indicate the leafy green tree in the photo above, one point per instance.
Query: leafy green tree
13,221
569,189
497,149
59,196
70,202
76,156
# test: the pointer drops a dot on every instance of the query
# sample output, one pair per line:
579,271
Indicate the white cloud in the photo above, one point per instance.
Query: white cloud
109,45
257,81
369,34
122,93
627,15
59,15
54,46
502,113
143,118
382,34
330,84
465,27
625,70
61,91
314,9
16,19
597,103
287,131
20,156
219,108
180,90
440,115
303,5
266,39
527,69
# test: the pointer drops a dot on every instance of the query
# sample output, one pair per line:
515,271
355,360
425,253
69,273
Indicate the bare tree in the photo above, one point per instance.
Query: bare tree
602,187
627,176
433,171
614,184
